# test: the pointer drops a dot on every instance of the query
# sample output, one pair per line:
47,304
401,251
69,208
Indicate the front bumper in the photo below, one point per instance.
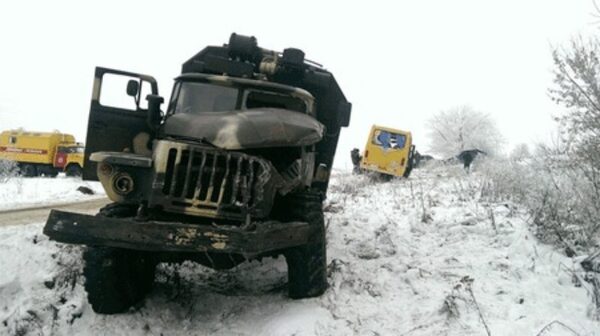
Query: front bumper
265,237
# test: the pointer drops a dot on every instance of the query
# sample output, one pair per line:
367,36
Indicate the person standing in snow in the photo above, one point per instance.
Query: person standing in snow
356,157
468,156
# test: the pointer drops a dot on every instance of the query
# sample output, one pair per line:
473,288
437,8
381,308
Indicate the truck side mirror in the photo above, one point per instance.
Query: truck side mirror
343,112
133,87
154,113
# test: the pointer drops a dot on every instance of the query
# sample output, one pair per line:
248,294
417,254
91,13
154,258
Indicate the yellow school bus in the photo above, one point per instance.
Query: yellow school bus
388,151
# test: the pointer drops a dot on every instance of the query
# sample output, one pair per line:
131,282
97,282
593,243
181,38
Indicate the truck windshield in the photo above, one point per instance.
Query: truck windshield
71,150
194,97
200,97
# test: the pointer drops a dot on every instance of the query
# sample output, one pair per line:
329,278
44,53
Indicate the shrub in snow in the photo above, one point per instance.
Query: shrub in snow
562,194
563,201
573,166
8,170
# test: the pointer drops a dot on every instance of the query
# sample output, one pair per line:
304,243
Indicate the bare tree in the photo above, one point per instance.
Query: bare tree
461,128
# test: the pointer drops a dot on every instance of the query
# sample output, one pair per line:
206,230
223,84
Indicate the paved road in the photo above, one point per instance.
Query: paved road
39,214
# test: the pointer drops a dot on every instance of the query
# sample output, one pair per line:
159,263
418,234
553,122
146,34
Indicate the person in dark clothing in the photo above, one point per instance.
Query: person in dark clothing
417,159
356,157
468,156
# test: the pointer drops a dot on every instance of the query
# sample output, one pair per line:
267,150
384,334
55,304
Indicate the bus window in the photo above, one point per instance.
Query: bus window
389,140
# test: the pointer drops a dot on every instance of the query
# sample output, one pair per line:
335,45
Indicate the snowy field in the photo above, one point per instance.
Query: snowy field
22,192
423,256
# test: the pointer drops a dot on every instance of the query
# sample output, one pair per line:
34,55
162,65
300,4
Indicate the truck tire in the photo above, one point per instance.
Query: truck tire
409,168
117,210
115,278
52,173
74,170
29,170
381,177
307,264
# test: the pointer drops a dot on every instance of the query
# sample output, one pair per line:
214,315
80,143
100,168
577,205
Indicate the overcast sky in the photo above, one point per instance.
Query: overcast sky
398,62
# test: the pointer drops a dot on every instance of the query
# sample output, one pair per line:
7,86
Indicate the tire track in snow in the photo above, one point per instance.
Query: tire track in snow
39,214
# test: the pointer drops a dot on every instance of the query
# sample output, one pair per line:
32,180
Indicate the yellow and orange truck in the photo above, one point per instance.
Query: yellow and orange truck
42,153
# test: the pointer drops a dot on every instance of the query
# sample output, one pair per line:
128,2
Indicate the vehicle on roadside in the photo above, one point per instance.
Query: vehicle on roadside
42,153
236,169
388,153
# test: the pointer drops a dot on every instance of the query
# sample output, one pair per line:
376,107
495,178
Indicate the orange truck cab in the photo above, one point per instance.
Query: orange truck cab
42,153
69,158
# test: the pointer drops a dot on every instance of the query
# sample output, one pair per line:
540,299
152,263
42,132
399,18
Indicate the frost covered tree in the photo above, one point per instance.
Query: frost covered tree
561,182
462,128
520,152
576,87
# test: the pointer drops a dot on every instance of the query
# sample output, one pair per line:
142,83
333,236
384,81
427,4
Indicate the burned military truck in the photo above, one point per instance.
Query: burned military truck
235,169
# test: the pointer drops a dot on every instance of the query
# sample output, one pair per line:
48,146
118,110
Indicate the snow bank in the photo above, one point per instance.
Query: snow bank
21,192
411,257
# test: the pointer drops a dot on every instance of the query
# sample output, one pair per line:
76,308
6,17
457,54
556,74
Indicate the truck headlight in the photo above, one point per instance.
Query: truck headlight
122,183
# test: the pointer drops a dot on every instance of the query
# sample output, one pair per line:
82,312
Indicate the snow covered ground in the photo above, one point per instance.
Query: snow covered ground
423,256
22,192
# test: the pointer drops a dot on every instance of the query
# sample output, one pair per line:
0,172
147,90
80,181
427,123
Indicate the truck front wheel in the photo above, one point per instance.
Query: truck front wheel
307,264
73,170
115,278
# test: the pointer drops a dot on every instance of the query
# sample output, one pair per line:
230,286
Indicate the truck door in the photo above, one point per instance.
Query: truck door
118,112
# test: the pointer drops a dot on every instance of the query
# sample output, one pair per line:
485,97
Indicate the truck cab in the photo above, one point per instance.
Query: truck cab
69,158
227,148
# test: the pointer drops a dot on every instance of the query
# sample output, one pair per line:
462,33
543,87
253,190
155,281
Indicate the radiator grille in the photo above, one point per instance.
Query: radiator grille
216,183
